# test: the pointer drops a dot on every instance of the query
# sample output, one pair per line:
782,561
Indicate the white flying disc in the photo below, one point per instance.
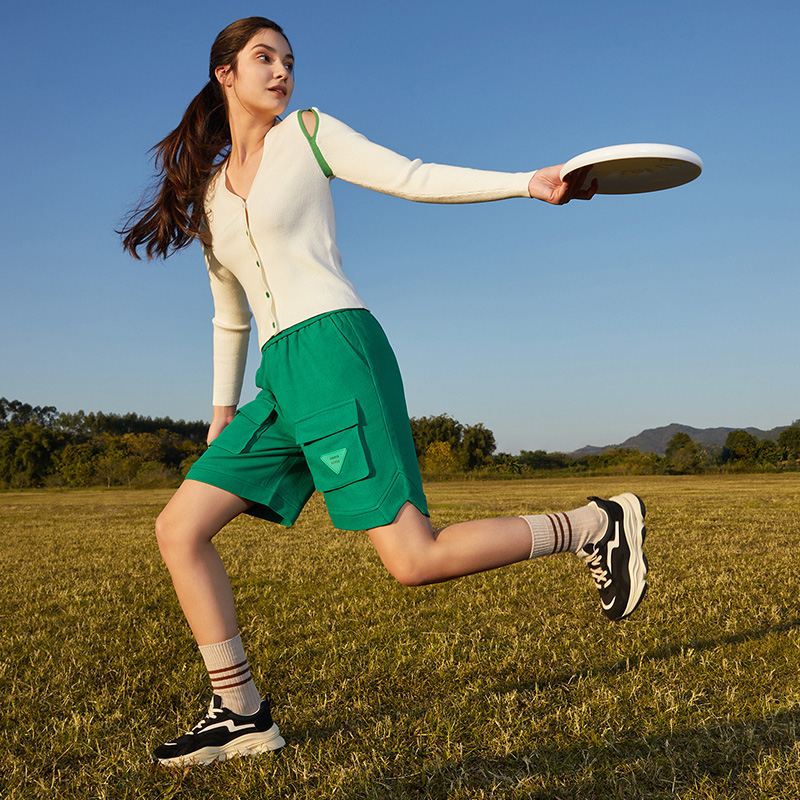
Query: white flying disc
635,168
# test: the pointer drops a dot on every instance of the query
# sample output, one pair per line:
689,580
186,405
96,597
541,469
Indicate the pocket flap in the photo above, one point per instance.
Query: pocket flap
329,420
249,421
257,410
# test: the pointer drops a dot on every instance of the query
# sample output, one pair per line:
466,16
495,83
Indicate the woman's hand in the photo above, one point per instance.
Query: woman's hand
222,416
547,185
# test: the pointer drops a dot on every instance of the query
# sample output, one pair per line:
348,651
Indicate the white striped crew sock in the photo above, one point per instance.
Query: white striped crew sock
562,532
229,671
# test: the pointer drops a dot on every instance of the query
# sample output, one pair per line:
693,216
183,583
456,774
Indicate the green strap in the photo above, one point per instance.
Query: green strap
312,140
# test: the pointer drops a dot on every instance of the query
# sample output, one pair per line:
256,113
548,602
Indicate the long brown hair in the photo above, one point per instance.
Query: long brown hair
174,213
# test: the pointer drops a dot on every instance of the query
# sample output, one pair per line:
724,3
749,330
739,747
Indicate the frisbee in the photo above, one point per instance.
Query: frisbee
636,168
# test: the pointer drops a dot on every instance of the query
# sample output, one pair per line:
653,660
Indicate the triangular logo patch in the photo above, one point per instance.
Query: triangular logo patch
334,460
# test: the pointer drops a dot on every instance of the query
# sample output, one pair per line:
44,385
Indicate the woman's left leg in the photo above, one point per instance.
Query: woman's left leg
416,554
606,534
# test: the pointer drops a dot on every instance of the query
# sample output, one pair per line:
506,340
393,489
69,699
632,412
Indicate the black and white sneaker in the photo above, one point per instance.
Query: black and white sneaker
221,734
617,561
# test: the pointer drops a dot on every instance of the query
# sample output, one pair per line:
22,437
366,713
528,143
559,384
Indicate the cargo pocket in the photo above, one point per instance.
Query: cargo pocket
332,446
242,432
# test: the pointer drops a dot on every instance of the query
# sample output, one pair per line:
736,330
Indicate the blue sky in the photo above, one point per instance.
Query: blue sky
554,327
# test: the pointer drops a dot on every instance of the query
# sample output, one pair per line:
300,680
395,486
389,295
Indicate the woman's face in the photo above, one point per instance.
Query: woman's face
262,81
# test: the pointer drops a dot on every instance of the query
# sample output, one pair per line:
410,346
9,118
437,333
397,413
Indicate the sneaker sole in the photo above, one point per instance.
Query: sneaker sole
250,744
634,512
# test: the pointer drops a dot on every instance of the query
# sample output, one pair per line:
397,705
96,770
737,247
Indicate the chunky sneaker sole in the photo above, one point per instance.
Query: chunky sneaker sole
247,745
617,560
221,735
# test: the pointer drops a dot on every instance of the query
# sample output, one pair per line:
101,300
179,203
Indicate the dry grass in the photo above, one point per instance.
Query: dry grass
503,685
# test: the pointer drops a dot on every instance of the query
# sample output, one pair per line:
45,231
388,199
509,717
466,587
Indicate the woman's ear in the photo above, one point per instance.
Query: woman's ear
223,75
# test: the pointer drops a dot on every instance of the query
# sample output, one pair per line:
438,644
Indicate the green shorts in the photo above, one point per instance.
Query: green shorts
331,415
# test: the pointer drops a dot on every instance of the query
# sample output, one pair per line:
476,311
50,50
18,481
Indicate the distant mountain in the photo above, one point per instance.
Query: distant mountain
655,440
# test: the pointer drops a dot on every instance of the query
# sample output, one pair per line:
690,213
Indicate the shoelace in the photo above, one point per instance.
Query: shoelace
212,714
598,570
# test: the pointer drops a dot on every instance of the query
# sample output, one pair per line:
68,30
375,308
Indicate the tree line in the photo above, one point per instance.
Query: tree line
742,452
39,446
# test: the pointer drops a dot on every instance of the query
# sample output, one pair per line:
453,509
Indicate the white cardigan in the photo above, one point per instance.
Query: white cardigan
276,253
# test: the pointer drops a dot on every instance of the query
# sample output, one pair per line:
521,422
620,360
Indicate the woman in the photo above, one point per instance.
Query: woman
331,415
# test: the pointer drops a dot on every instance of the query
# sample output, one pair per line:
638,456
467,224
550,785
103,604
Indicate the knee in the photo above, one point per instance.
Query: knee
171,538
408,571
407,547
408,578
163,533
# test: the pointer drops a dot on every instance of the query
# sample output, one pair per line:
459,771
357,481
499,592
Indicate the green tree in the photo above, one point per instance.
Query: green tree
477,446
680,441
540,459
767,453
622,461
741,447
76,464
438,457
470,445
27,455
441,428
506,464
115,463
37,442
15,414
789,443
682,454
86,426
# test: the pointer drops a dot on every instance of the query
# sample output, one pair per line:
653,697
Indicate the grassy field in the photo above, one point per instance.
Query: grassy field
503,685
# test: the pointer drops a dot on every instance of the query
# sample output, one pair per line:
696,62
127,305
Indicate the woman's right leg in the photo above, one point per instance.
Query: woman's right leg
238,721
185,528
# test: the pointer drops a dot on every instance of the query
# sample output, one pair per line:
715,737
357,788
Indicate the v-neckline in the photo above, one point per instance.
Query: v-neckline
225,183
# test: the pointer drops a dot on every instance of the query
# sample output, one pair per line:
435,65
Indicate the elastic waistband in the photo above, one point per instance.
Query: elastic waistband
298,326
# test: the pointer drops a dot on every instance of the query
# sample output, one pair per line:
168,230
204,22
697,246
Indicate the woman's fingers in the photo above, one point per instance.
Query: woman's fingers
575,186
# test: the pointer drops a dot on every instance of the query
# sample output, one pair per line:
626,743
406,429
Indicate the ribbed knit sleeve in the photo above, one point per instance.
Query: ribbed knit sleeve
231,332
275,254
355,159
